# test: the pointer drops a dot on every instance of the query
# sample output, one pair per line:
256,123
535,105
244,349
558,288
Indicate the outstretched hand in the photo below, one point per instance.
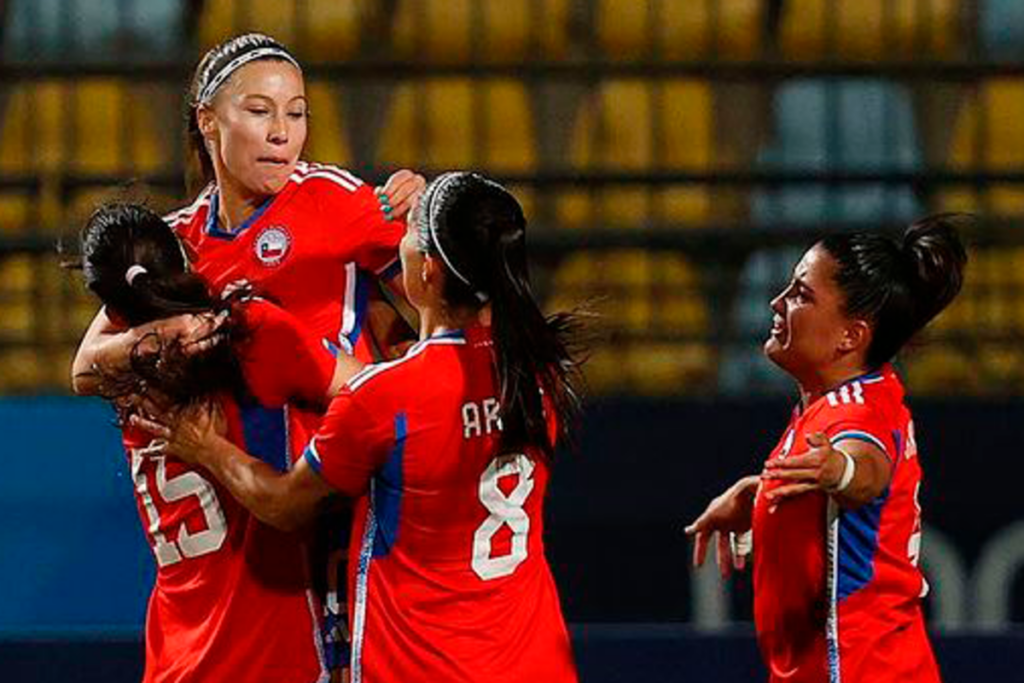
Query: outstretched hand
728,517
820,468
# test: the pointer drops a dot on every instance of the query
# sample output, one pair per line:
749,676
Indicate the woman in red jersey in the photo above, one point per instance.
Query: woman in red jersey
231,599
449,451
312,237
835,515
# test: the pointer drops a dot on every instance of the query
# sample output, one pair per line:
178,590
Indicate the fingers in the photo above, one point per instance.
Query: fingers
700,548
817,440
723,554
399,193
150,426
794,462
810,475
777,495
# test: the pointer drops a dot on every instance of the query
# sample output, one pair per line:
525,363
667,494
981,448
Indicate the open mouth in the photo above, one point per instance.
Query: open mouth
778,331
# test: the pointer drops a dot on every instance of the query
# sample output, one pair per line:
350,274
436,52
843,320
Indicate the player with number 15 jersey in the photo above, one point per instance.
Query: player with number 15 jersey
232,599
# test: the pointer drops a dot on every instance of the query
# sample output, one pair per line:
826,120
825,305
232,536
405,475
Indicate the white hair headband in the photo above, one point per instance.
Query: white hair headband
433,209
209,89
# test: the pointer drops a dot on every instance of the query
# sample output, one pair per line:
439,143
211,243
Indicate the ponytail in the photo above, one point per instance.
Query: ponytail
478,230
899,287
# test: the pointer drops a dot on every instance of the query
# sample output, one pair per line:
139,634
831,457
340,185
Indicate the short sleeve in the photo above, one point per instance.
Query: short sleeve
351,445
860,422
281,361
363,232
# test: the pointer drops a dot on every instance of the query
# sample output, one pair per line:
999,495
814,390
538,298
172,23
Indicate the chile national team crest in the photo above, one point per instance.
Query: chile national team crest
272,245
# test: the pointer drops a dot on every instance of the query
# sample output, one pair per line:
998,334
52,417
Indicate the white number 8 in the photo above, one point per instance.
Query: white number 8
503,510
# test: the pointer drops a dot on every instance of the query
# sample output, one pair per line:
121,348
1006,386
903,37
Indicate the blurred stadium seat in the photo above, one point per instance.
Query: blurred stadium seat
664,29
870,29
316,30
480,31
639,125
639,296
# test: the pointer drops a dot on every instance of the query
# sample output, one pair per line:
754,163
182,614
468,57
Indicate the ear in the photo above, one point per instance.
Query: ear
207,121
431,270
856,336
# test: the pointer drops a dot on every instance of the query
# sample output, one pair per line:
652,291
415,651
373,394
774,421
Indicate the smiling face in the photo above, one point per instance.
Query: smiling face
256,126
810,330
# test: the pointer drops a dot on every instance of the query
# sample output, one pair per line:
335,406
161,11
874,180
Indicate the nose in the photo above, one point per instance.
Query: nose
278,134
778,303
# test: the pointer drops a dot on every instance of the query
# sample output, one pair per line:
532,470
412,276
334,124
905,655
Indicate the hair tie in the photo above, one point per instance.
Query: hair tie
133,272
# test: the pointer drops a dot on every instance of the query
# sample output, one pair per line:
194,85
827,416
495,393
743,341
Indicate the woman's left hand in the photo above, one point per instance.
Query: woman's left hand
818,469
189,434
400,192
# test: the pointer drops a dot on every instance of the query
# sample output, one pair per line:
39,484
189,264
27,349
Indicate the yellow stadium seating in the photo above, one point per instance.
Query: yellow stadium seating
328,141
460,31
319,30
678,29
988,136
637,294
869,29
636,125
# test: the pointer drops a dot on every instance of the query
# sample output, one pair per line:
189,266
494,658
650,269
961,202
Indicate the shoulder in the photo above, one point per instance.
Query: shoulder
186,216
325,179
864,409
415,371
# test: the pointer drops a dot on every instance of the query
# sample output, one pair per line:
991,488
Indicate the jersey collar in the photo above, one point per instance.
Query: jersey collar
212,228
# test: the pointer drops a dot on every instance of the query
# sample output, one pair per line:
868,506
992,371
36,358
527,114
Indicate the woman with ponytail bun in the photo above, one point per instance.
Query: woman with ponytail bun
448,451
835,516
231,601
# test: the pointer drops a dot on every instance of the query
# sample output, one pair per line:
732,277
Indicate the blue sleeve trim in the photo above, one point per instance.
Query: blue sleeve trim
862,436
313,458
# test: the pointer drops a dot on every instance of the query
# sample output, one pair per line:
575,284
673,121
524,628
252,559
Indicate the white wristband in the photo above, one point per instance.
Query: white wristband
848,472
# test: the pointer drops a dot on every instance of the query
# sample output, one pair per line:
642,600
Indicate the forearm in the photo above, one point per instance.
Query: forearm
101,350
260,488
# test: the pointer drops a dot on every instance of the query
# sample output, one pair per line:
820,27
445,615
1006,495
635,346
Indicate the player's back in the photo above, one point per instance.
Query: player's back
451,582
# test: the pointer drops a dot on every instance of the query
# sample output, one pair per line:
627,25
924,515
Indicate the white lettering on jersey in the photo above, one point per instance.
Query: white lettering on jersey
470,420
481,419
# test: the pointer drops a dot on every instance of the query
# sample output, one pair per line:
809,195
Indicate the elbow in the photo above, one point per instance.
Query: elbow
83,384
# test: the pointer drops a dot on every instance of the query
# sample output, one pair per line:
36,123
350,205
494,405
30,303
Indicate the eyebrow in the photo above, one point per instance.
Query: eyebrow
268,98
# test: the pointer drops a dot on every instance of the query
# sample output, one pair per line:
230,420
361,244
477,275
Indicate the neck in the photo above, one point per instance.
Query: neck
814,387
440,320
235,204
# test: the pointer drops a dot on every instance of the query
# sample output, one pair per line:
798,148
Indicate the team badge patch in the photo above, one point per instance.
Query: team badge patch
273,245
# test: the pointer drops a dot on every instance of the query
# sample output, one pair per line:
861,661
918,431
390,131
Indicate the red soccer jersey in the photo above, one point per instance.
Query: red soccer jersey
837,592
231,601
450,582
310,248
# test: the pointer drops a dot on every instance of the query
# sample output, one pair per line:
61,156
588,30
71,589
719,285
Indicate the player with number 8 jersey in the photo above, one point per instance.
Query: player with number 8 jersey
448,543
